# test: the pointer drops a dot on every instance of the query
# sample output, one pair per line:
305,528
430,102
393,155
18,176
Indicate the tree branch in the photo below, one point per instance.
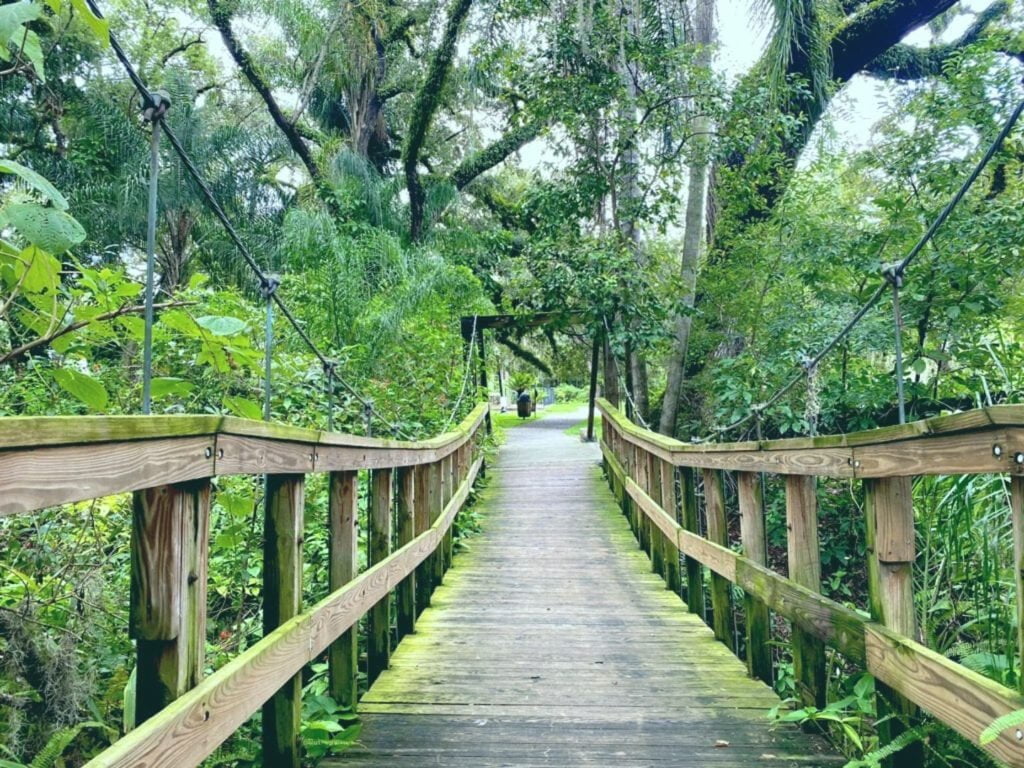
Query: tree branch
43,341
181,47
909,62
427,101
491,155
222,20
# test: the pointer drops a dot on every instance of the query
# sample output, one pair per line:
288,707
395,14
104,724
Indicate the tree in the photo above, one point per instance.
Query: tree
693,233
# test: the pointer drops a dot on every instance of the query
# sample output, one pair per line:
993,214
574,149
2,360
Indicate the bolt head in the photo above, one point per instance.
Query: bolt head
1018,457
208,452
997,451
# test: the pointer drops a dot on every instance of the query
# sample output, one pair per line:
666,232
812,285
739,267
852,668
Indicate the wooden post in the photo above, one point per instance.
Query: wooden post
170,537
378,645
592,399
630,467
282,597
1017,513
694,575
656,536
343,566
405,528
451,485
642,521
805,569
436,507
752,535
718,532
891,552
670,504
421,520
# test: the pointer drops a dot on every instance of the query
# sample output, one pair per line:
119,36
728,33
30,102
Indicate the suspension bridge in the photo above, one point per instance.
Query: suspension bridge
589,623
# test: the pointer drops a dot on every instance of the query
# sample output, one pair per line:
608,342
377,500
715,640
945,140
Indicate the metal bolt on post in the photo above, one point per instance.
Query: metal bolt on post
368,417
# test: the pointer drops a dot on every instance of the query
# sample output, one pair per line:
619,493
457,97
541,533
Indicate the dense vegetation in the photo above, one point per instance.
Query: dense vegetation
382,160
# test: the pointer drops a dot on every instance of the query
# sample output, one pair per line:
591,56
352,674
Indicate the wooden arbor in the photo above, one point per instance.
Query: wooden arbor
473,326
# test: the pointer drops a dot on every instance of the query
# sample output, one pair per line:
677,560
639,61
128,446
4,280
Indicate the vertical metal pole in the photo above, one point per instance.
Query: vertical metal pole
330,397
368,417
897,281
147,340
267,289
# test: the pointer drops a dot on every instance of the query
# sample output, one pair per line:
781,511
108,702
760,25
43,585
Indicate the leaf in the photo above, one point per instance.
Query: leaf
82,386
222,325
99,27
325,725
166,386
42,270
33,51
243,407
33,179
52,230
1000,724
14,16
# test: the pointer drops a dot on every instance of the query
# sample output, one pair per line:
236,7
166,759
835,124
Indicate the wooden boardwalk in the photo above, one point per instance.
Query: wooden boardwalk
551,643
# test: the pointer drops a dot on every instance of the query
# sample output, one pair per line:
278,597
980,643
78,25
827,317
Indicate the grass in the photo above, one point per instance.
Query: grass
509,419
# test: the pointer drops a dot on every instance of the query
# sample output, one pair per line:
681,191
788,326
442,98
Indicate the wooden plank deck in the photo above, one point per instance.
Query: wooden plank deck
551,643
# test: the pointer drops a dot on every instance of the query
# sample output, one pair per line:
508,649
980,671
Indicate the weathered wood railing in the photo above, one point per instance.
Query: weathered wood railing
416,490
654,478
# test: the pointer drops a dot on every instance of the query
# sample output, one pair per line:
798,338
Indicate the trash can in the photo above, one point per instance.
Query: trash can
524,406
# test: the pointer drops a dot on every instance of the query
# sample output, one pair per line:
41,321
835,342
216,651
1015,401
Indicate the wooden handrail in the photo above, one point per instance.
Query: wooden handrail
884,643
48,461
986,440
190,729
415,489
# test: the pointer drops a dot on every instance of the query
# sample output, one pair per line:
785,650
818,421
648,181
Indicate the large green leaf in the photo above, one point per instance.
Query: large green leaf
33,179
52,230
243,407
220,325
13,17
82,386
42,271
167,386
32,49
99,27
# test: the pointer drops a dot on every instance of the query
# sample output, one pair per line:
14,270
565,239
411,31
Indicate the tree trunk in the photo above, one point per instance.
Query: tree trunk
703,35
427,101
629,197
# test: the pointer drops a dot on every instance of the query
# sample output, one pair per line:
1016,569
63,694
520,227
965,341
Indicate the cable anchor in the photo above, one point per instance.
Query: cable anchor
154,105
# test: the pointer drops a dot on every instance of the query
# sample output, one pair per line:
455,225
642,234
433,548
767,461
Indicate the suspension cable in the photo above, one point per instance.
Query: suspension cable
465,378
262,277
625,387
896,272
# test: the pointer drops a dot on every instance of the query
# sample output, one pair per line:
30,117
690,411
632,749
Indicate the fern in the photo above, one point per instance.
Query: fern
61,740
874,758
1000,724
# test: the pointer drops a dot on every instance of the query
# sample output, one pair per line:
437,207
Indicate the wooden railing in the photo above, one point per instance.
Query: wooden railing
654,478
168,462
